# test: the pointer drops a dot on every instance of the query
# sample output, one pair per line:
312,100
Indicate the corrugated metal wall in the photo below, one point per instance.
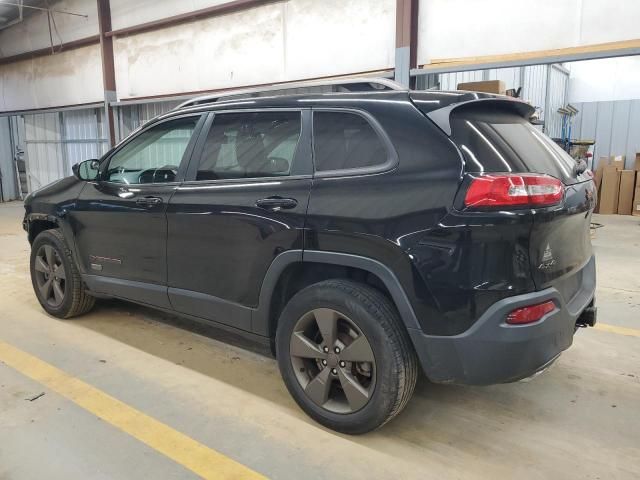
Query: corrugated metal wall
7,168
557,98
56,141
510,76
131,117
45,163
534,87
84,135
614,125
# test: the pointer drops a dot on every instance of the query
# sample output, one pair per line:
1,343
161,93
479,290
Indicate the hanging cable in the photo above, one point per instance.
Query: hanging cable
50,35
55,28
52,21
45,9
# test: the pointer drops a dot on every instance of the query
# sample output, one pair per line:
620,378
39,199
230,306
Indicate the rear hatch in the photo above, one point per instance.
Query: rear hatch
495,137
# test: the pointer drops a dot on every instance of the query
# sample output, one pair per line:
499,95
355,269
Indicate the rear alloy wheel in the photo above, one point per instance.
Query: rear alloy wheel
55,277
333,361
345,356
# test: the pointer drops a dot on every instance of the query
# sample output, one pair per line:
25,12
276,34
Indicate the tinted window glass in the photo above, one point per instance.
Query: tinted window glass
345,140
494,141
246,145
153,156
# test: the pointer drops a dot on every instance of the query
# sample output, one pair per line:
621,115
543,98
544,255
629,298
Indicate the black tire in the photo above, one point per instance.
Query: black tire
395,362
75,300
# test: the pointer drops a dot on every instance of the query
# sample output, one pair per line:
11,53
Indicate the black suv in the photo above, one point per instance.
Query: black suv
363,233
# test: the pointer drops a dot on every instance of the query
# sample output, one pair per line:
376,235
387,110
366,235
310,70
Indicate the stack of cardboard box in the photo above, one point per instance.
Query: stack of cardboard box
618,189
487,86
636,195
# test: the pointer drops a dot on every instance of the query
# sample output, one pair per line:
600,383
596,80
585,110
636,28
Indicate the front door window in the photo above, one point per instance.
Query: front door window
154,155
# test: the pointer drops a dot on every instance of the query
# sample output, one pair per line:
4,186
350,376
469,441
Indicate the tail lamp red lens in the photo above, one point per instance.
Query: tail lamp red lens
530,314
513,190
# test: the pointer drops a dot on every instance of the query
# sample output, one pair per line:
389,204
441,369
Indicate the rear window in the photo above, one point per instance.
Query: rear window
343,141
503,142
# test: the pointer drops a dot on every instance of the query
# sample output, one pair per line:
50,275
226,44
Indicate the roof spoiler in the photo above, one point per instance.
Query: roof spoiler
442,116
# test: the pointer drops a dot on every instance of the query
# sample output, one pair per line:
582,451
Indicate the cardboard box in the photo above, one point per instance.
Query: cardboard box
636,197
618,161
609,190
489,86
597,176
636,202
627,190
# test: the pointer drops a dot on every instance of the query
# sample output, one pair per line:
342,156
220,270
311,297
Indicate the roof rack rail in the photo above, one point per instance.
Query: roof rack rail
353,84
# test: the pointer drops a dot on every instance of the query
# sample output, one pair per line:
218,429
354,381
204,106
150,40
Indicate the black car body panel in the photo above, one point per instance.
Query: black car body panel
246,239
492,350
210,250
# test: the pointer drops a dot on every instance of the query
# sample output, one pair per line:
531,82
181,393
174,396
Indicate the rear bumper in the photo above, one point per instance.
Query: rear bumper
492,351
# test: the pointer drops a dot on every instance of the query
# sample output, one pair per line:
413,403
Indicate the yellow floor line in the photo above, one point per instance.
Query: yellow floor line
180,448
633,332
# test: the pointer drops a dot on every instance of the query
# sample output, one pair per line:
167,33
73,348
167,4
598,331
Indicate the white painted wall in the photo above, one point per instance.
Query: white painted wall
289,40
296,39
604,80
465,28
66,78
334,37
127,13
33,32
241,48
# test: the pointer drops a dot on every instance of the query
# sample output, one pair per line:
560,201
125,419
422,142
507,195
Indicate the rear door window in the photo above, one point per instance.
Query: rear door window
345,141
494,141
250,145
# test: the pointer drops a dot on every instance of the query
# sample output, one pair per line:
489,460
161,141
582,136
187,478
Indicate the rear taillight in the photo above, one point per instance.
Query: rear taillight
497,190
530,314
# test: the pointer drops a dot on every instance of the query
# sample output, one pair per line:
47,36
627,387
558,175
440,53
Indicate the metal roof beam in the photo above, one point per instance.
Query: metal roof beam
572,54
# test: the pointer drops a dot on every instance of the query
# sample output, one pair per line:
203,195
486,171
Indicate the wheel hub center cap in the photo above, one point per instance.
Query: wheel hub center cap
332,360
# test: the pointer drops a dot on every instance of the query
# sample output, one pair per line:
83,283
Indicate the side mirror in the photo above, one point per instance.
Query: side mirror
87,170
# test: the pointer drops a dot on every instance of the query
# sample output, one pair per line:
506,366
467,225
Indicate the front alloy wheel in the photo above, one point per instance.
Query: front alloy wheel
50,276
55,276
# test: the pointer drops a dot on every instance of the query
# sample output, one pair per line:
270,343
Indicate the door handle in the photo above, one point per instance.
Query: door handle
125,194
149,201
277,203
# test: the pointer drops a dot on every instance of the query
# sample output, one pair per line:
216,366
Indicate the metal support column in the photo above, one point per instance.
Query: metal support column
547,101
108,69
406,40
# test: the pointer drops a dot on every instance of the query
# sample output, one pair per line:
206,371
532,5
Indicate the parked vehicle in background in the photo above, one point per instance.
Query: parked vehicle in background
365,234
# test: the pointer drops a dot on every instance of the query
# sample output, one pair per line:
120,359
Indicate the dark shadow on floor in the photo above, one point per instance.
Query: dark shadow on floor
212,351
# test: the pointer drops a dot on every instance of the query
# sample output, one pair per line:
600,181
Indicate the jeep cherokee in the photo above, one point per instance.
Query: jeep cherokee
363,232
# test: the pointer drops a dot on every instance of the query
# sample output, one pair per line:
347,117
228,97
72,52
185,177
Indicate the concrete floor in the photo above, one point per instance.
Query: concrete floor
578,420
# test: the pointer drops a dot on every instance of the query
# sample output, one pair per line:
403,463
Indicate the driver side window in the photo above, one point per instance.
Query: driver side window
153,156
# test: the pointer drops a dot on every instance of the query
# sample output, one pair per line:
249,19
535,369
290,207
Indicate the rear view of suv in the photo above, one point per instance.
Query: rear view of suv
364,233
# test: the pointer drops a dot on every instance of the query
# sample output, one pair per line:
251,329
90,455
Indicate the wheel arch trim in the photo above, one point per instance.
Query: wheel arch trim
38,217
32,217
260,317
